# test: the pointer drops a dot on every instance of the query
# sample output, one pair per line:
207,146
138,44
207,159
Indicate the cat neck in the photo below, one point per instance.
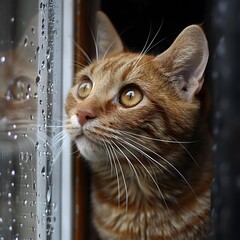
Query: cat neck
143,184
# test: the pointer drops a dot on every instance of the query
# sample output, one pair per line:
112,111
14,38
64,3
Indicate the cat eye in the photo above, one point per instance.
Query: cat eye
20,89
84,88
130,96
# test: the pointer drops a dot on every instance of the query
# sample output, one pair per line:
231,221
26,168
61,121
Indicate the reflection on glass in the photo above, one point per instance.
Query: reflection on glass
30,110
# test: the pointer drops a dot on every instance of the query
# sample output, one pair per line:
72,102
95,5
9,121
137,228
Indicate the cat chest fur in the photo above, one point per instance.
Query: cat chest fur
137,213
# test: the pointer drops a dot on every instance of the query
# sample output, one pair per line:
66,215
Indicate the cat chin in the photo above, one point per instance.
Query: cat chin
90,150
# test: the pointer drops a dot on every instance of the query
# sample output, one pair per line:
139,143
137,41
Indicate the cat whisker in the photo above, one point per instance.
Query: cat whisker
89,61
114,157
164,159
138,136
175,141
121,170
148,172
146,48
109,153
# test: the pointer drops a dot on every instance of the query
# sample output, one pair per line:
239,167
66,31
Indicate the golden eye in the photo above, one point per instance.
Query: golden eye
20,90
131,96
84,88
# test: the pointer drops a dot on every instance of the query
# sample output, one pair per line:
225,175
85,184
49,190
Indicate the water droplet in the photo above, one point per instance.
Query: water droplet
9,134
43,171
49,68
13,173
14,126
34,185
25,43
38,80
21,155
33,30
25,176
43,65
9,195
12,19
49,195
35,95
25,202
15,137
10,228
38,49
31,117
2,59
1,220
48,54
29,88
36,145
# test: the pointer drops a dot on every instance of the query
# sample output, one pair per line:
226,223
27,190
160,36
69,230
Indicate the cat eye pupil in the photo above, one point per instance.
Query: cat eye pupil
84,88
131,96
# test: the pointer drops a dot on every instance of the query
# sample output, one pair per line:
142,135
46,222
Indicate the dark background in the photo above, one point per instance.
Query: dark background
134,19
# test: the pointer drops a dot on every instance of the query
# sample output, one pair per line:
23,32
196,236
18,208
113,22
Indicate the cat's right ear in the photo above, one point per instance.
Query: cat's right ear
108,41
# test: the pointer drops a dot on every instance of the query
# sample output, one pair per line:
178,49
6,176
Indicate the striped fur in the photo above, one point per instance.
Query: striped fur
151,171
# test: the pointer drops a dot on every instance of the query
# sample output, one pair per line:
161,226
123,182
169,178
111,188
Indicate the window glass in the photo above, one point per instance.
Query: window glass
30,119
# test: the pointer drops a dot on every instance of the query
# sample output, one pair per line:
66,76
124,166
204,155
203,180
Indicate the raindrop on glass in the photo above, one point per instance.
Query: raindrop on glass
49,195
25,43
43,171
34,185
49,68
36,145
33,30
13,173
48,54
29,88
38,80
43,65
2,59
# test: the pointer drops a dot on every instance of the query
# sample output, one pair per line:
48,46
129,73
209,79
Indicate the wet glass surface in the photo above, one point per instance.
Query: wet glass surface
30,117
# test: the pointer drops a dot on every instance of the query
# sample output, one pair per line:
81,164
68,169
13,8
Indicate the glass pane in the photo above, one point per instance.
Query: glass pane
30,119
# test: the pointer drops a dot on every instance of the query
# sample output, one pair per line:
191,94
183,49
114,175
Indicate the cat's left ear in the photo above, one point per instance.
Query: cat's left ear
108,41
184,62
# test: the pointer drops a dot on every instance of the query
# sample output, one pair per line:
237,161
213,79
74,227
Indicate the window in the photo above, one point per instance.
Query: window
35,191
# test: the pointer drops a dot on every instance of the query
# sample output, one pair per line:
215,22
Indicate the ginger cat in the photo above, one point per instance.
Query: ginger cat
139,120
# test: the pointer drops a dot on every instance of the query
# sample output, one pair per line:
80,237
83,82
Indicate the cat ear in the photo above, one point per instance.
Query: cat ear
108,40
185,61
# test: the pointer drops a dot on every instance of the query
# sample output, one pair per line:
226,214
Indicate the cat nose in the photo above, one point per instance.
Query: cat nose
84,116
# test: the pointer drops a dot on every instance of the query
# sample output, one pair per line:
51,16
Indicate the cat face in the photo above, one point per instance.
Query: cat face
123,102
18,92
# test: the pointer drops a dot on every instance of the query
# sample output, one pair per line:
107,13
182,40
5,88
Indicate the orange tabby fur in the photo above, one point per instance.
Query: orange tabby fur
151,172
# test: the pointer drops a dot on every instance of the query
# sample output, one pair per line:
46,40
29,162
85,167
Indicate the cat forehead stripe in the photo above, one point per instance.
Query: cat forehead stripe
117,67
